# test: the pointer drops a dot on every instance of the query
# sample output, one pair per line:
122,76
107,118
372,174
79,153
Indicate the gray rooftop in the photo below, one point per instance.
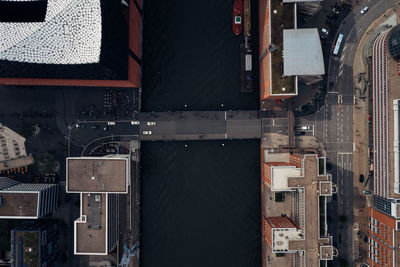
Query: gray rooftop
302,53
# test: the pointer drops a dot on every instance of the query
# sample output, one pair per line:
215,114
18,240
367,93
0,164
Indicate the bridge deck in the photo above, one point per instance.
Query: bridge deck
200,125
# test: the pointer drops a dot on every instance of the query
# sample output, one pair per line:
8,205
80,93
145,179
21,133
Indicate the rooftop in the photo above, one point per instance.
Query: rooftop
18,204
282,17
98,174
28,244
91,228
303,52
306,213
89,46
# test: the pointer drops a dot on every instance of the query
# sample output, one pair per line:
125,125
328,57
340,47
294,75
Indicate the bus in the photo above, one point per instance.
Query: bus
338,43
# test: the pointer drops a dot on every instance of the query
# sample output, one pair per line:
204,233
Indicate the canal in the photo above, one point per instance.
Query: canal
200,199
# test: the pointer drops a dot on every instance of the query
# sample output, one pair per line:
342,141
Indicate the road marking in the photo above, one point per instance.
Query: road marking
340,73
225,115
226,135
354,146
273,122
345,153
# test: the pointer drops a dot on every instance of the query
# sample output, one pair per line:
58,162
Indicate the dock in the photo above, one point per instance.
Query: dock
246,75
247,18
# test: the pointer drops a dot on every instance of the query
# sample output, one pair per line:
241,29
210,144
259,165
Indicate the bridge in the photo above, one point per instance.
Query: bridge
200,125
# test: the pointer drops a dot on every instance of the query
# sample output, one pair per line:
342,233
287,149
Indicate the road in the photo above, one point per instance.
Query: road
333,123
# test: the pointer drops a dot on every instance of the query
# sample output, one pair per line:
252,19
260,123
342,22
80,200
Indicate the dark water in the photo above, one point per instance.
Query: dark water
201,204
192,57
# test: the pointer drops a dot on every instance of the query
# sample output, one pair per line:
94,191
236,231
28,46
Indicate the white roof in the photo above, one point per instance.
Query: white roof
70,34
280,175
302,53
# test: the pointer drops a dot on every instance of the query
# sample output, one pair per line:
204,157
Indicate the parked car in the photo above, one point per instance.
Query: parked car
364,10
330,15
366,192
361,179
107,128
80,125
334,10
299,133
146,132
324,31
135,122
111,123
328,21
151,123
302,127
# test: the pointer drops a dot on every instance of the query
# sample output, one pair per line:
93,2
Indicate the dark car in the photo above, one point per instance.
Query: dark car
330,15
361,179
328,21
107,128
299,133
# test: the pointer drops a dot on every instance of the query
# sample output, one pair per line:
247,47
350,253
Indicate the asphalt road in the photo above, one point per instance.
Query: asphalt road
333,123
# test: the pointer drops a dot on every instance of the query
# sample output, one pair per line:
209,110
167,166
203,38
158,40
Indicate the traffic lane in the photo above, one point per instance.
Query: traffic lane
244,127
95,130
185,127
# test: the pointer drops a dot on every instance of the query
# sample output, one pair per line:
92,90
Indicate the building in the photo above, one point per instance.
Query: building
286,53
35,244
385,118
12,150
66,37
383,239
293,190
384,216
26,201
99,181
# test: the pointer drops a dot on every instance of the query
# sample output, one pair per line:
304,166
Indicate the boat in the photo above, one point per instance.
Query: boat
237,16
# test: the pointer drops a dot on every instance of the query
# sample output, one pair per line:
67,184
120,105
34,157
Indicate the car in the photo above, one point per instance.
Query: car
328,21
330,15
146,132
366,192
334,10
302,127
107,128
80,125
324,31
361,179
135,122
364,10
299,133
111,123
94,127
151,123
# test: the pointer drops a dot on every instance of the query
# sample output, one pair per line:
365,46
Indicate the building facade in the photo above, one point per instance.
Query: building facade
26,201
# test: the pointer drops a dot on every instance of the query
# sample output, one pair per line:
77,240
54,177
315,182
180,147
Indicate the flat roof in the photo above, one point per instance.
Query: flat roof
18,204
302,52
29,240
98,174
282,17
91,235
309,209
